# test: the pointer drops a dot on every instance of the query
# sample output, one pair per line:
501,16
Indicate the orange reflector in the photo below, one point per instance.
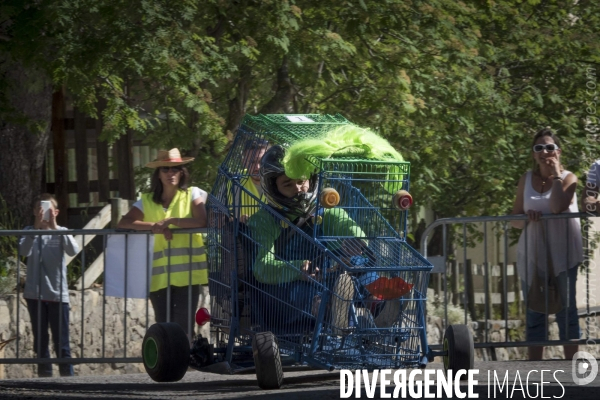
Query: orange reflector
329,198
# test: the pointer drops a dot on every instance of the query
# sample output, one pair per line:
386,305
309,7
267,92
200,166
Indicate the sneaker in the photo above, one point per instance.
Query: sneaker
389,314
341,299
364,318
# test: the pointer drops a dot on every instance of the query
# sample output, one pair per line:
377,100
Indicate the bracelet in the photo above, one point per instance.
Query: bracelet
558,178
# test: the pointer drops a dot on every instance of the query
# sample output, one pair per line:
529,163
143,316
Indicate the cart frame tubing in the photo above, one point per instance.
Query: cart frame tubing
505,219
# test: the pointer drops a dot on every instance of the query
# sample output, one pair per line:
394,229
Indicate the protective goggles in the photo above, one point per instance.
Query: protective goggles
548,147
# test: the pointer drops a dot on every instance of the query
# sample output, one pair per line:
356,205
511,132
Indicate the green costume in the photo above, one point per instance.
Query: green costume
265,230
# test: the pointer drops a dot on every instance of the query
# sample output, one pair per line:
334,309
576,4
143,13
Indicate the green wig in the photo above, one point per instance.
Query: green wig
348,141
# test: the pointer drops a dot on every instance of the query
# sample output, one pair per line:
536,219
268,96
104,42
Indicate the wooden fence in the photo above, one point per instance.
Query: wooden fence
83,171
110,214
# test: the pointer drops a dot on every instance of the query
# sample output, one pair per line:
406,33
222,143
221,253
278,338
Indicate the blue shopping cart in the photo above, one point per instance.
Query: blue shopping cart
337,287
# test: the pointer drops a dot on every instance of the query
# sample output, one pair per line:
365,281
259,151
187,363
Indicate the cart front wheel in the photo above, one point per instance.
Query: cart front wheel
166,352
267,361
459,348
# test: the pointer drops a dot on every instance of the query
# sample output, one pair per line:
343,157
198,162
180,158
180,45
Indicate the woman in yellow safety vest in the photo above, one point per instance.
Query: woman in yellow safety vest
179,260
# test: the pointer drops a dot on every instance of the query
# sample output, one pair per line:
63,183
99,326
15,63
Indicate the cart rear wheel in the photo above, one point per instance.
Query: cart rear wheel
267,361
459,348
166,352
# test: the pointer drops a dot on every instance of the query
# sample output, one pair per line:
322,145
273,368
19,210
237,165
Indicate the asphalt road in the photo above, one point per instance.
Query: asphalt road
298,384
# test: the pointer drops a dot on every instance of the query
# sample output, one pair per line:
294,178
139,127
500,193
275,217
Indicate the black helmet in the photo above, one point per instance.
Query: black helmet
271,167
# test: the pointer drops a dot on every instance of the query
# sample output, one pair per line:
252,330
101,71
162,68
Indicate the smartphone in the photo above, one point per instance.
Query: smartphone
46,207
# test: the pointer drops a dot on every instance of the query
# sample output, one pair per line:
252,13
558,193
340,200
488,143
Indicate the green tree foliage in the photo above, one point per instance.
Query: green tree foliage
459,87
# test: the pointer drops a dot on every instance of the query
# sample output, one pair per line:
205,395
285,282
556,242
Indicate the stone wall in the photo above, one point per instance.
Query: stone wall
121,342
516,333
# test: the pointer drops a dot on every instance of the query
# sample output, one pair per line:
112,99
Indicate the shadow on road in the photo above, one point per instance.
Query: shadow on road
215,387
303,384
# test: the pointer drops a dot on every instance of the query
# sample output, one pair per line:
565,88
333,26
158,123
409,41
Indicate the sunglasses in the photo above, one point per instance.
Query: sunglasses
167,169
548,147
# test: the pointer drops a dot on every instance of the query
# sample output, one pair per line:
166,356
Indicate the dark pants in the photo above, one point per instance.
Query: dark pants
180,312
50,314
286,308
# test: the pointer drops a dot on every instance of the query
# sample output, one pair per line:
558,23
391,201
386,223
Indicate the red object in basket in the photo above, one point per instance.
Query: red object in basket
389,289
202,316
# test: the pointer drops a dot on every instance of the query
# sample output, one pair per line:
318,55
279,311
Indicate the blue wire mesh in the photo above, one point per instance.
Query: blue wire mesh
331,318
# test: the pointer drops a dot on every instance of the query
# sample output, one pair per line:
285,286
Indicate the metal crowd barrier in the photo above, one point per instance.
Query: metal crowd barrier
445,223
80,343
459,226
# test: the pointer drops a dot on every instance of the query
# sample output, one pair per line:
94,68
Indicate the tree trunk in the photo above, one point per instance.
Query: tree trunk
237,105
284,94
24,134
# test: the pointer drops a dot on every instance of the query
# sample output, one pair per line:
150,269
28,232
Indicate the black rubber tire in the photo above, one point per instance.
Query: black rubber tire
166,352
267,361
458,342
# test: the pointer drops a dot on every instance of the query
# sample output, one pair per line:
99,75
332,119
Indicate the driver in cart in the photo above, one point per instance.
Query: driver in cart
287,268
285,265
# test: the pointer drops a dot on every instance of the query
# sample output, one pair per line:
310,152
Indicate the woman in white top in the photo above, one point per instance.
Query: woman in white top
545,189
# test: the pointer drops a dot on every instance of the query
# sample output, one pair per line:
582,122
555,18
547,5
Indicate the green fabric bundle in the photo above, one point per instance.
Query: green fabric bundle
348,141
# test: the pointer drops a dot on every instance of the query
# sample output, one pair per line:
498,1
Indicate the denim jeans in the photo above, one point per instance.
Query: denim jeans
286,308
50,314
567,318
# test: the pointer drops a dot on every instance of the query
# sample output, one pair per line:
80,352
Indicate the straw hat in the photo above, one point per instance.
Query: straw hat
168,159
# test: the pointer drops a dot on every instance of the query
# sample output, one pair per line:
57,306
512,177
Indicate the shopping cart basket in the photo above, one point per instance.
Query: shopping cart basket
363,309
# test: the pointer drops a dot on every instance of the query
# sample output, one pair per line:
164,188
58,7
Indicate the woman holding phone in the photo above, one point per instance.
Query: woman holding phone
46,291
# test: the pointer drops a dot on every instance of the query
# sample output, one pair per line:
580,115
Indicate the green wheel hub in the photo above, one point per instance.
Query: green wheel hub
150,353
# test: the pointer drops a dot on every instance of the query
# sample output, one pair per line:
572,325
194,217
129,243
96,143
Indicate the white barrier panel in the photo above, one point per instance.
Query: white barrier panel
139,265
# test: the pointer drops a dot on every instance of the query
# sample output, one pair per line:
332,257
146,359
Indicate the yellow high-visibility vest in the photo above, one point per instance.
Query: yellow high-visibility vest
247,204
240,202
173,260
